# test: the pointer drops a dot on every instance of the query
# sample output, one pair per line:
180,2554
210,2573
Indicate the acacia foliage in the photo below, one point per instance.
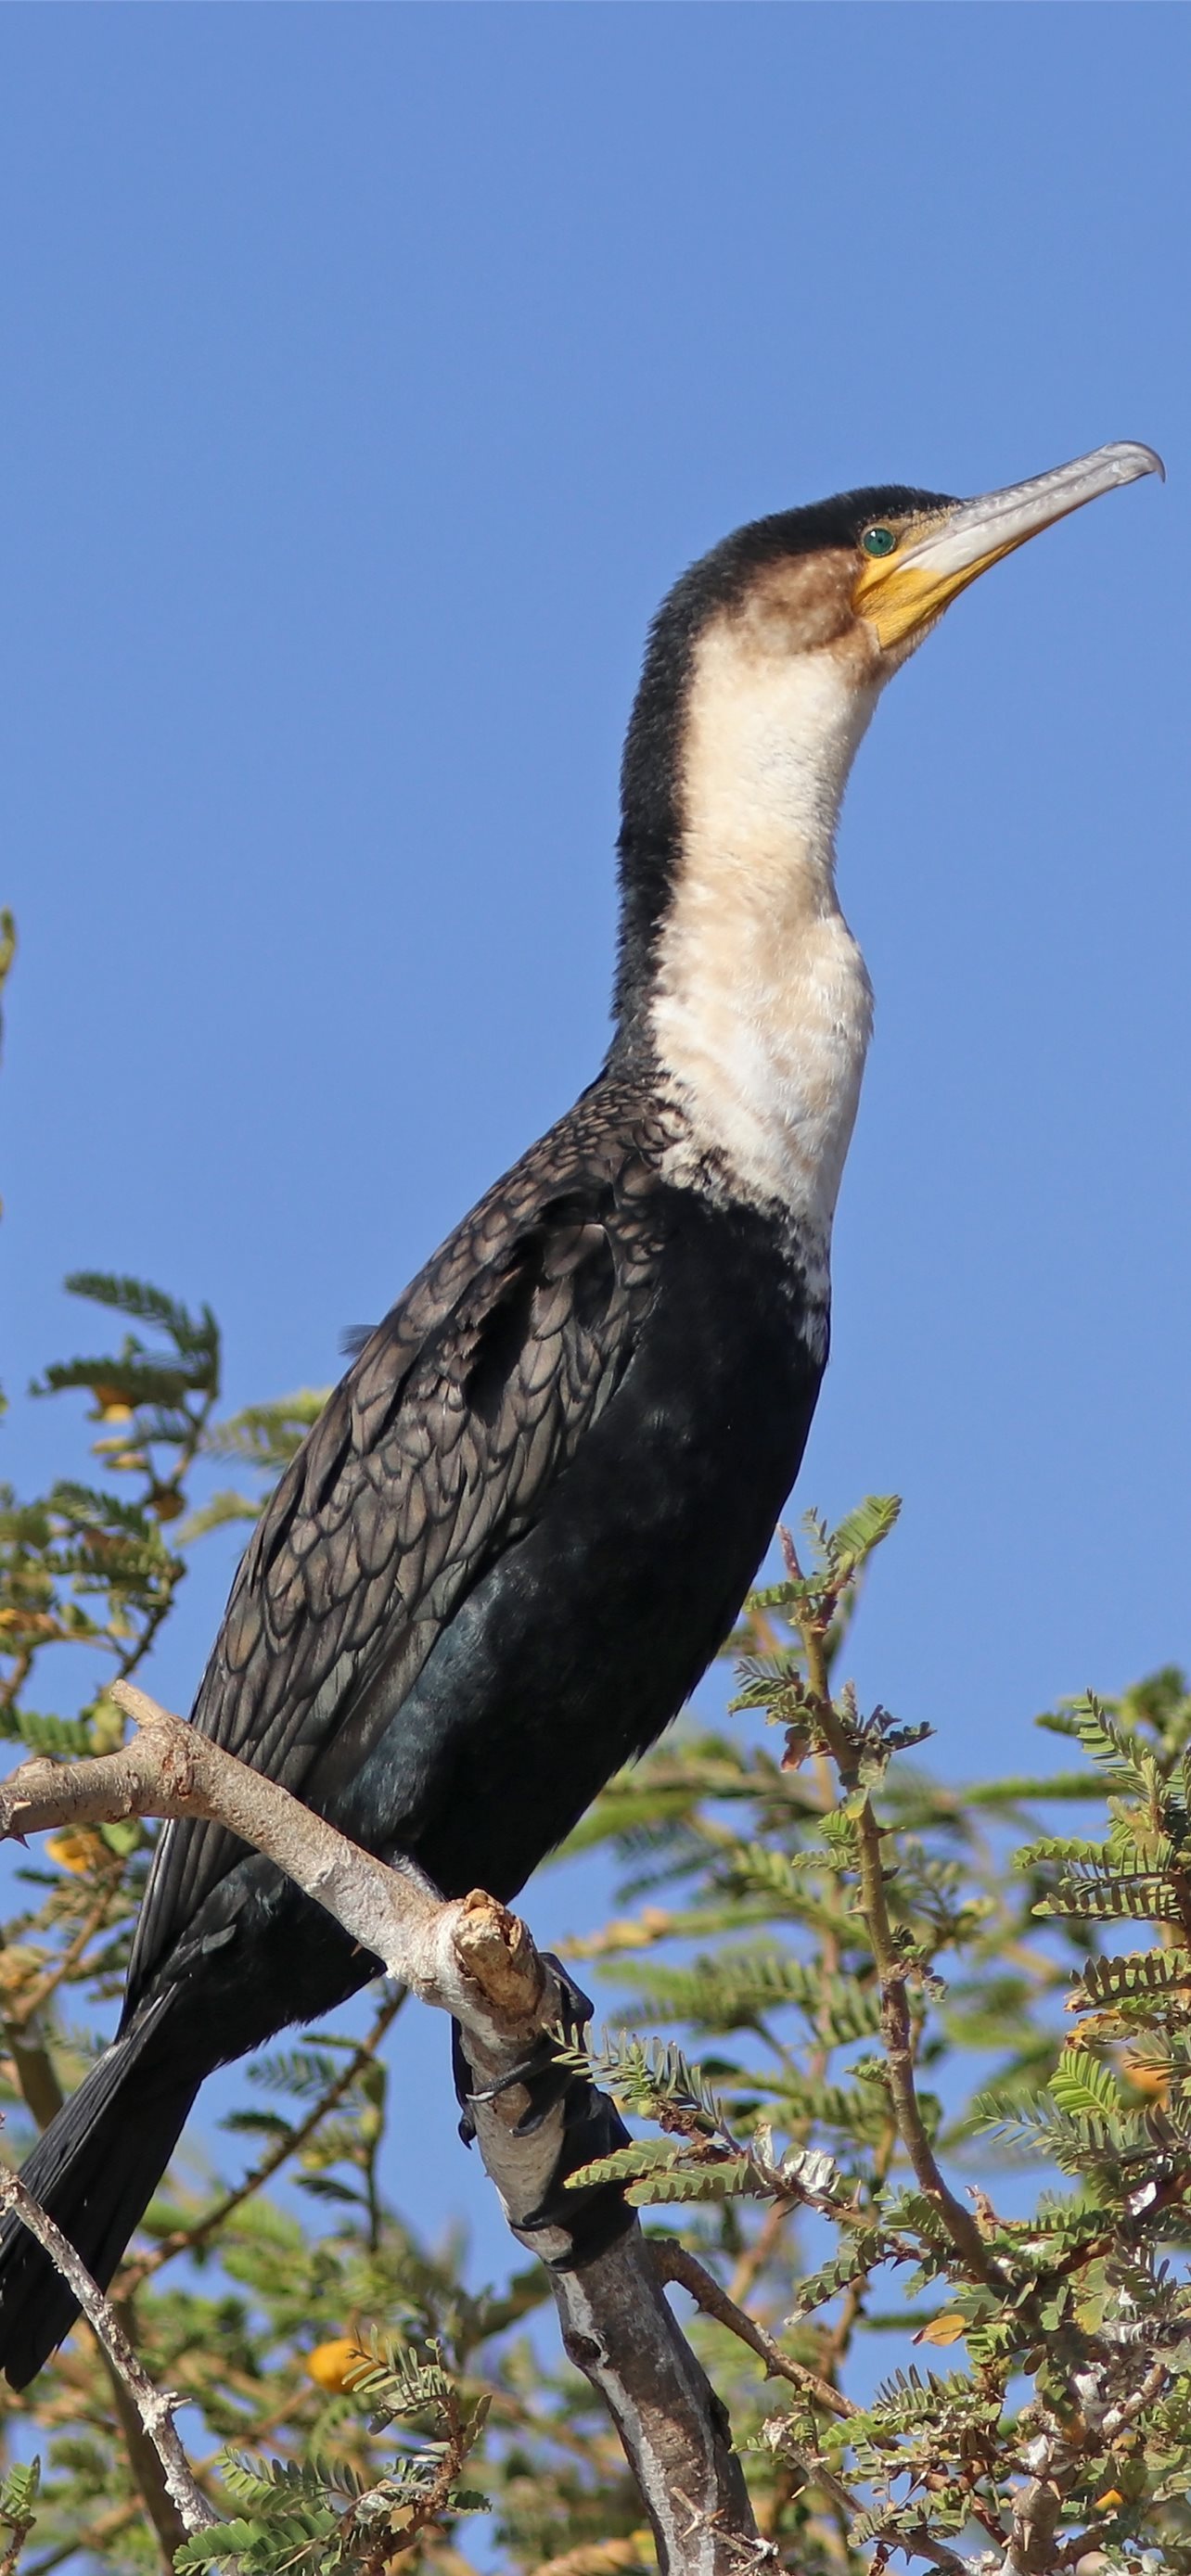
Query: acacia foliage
910,2067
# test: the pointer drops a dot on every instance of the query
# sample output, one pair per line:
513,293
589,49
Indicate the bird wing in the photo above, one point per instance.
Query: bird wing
433,1455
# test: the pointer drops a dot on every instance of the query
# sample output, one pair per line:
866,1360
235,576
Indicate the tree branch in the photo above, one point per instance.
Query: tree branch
155,2407
148,2468
474,1959
42,2093
619,2330
673,2262
896,2028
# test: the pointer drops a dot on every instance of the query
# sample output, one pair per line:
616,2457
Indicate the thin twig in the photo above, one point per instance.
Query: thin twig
93,1921
601,2557
1130,2408
837,2338
42,2093
20,2534
106,2526
155,2407
923,2544
32,2064
14,1681
673,2262
146,2469
896,2026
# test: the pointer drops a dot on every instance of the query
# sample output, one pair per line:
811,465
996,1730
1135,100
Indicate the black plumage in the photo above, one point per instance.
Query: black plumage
452,1622
528,1515
510,1545
406,1563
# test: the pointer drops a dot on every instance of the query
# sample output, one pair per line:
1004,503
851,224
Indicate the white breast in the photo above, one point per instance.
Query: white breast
762,1007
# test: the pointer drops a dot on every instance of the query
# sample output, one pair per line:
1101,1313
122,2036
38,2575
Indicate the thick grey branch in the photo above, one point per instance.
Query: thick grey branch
168,1769
618,2328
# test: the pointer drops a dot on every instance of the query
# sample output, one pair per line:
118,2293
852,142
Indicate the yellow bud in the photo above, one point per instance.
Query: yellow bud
1154,2081
18,1966
112,1403
338,2365
76,1852
166,1502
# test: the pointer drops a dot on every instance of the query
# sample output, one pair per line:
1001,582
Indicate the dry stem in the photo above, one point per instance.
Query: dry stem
896,2027
673,2262
155,2407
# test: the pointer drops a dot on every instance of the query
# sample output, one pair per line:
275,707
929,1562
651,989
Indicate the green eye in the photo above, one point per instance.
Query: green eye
878,541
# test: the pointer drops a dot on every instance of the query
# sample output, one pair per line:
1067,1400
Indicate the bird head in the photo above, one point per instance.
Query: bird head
907,555
766,660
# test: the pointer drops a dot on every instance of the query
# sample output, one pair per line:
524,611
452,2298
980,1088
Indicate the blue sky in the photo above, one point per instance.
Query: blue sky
370,373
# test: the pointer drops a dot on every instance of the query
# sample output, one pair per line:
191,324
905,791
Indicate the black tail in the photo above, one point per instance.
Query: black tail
95,2171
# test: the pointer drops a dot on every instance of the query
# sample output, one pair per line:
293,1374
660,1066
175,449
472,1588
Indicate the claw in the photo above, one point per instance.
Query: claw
462,2077
539,2074
595,2214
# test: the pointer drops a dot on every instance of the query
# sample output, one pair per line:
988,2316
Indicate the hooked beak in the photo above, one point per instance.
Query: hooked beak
903,592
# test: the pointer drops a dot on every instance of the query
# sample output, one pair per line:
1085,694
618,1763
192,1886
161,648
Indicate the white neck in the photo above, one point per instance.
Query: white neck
762,1008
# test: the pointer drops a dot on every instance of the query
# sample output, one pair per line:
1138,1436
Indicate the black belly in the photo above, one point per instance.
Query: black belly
579,1645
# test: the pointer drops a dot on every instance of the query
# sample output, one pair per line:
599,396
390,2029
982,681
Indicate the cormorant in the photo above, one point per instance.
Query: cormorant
529,1513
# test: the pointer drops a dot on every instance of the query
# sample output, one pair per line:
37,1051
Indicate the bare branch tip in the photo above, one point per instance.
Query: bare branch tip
138,1705
496,1950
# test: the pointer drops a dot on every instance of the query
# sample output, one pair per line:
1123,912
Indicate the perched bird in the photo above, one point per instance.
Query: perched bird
529,1514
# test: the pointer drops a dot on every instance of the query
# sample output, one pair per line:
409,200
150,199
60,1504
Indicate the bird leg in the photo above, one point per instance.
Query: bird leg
591,2216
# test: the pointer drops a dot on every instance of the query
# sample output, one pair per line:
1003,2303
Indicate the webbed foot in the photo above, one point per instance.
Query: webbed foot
596,2214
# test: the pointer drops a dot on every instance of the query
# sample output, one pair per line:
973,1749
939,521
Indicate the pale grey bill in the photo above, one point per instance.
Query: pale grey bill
1002,518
